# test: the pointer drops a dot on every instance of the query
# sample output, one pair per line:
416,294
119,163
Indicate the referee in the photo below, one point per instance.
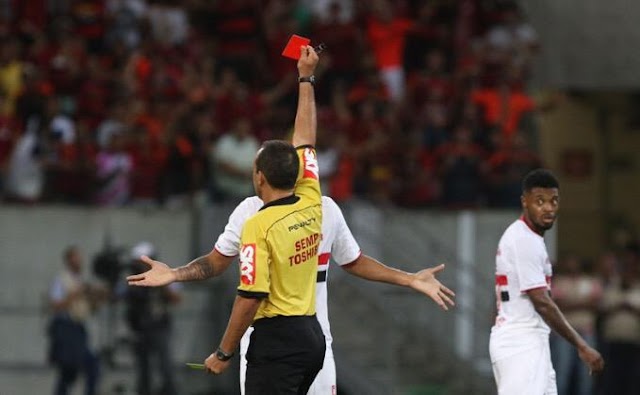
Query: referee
279,261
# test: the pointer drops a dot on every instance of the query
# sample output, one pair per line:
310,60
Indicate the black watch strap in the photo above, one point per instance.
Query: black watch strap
223,356
310,79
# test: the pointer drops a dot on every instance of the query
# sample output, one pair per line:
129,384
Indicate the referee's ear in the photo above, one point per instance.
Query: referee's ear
261,178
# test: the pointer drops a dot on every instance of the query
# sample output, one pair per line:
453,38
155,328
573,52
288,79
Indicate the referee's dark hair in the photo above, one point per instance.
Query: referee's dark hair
279,163
539,178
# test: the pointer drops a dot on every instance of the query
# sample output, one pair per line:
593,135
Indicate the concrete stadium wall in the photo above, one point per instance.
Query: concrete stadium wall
586,44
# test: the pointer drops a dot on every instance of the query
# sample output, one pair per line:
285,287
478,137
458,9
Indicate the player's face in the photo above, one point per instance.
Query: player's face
540,207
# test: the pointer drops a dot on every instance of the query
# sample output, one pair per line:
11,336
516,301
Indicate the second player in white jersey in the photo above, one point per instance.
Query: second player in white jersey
337,243
522,264
519,342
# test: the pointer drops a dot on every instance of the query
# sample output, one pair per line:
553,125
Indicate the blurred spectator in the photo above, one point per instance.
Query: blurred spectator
114,123
11,72
503,107
126,21
232,157
113,173
184,164
148,313
94,95
460,166
621,328
72,299
72,168
431,81
90,22
387,34
149,158
578,294
513,34
429,33
169,23
433,125
339,32
340,11
8,130
421,187
506,167
237,26
25,173
607,268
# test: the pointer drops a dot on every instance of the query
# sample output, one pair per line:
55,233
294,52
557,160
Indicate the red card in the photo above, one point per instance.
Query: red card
292,50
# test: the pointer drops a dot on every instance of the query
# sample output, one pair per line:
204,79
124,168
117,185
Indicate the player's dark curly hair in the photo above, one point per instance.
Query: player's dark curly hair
279,163
539,178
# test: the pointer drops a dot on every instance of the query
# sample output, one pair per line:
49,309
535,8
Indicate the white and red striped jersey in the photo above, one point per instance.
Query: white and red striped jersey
522,264
337,243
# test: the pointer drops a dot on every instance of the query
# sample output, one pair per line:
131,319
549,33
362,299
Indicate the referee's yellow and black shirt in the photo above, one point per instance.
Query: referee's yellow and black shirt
279,247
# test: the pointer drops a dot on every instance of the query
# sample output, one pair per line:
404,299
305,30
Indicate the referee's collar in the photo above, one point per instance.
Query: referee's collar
291,199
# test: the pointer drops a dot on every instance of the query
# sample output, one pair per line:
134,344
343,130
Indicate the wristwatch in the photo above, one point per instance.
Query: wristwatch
223,356
310,79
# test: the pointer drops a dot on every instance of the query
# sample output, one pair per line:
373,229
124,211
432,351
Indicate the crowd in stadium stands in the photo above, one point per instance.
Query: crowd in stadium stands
601,300
145,102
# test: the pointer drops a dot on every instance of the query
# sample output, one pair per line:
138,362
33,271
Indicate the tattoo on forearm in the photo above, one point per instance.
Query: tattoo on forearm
198,269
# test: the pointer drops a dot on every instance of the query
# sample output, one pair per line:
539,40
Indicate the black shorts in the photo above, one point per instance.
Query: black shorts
284,356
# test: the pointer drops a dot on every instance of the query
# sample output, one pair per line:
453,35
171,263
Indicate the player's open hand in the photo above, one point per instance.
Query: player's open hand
592,359
425,281
158,275
308,61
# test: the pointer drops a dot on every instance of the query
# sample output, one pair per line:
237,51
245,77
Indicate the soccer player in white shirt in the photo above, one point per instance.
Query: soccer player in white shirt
519,343
337,243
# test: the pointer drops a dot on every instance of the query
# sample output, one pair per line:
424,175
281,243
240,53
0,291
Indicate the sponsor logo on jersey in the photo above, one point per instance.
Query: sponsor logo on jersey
306,248
302,224
310,164
248,264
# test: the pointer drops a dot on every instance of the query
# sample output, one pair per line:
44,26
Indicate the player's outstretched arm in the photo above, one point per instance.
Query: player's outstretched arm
304,128
201,268
423,281
549,311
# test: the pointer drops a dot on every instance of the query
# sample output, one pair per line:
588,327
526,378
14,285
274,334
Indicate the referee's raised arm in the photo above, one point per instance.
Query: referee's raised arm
304,128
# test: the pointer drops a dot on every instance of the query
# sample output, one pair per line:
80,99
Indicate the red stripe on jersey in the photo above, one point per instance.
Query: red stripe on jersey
323,259
501,279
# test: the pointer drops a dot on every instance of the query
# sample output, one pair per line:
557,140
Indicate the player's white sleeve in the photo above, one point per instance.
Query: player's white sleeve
529,265
228,243
345,248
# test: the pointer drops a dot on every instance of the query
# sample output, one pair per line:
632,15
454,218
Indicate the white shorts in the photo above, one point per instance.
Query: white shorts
529,372
324,384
